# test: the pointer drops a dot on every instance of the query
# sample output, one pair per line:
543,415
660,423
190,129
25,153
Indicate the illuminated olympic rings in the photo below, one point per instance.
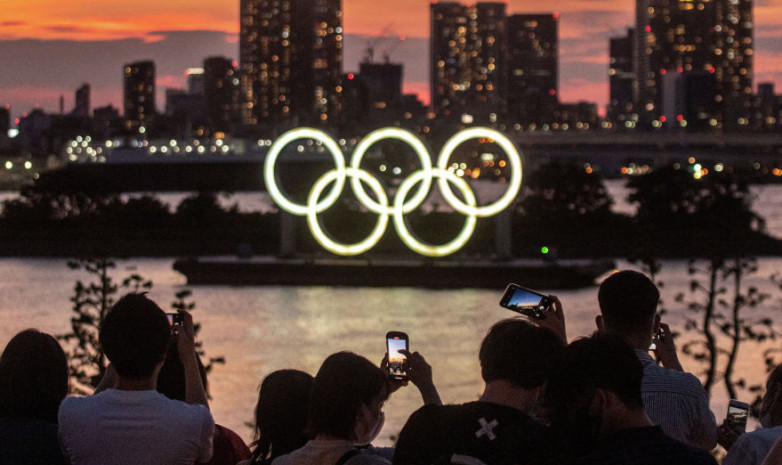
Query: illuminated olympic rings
400,205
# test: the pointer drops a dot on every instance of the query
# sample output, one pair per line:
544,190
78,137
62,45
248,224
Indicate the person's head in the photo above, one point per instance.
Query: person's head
33,377
135,335
347,398
171,378
520,353
771,408
628,303
281,413
597,387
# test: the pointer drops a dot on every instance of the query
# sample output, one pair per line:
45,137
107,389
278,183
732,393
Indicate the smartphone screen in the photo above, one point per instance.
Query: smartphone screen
525,301
396,341
174,322
737,415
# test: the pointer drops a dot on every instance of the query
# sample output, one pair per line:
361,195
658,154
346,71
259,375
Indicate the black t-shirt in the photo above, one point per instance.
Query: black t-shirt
491,433
645,446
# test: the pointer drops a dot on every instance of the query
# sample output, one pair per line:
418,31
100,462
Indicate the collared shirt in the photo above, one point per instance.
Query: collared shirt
677,402
752,448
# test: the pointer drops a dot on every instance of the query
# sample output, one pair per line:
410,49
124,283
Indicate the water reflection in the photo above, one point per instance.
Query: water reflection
260,330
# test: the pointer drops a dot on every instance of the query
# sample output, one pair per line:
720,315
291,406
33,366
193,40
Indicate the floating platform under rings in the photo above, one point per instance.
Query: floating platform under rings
434,274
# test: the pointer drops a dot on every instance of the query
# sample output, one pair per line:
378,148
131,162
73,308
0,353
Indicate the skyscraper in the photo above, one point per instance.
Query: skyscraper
290,60
734,50
82,102
195,81
468,58
221,92
139,95
532,68
621,80
684,36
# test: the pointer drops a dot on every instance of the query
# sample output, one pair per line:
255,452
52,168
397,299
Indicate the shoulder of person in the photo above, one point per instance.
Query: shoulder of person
367,458
74,404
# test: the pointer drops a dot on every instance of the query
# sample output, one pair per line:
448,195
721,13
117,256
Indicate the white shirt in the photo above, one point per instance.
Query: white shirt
752,448
118,427
677,402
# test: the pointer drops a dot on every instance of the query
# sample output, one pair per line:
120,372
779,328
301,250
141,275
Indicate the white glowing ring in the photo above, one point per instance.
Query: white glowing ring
400,207
312,212
423,155
271,159
409,239
515,178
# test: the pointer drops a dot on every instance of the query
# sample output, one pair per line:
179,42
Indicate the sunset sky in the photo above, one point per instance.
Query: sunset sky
49,48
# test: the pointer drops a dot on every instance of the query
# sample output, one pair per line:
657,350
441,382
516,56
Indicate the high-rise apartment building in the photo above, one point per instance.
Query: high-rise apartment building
195,81
5,125
734,51
139,93
221,92
290,60
693,36
468,58
622,80
532,68
82,102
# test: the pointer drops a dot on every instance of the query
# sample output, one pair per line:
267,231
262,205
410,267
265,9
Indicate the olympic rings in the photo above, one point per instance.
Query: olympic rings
401,206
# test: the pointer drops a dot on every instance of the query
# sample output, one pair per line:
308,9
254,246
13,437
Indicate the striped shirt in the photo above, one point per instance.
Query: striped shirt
677,402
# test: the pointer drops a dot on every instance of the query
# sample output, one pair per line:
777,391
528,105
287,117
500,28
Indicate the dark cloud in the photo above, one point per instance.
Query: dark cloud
12,23
66,64
68,29
595,24
589,71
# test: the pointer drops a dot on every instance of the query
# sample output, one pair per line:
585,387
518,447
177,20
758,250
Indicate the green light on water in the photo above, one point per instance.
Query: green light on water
544,250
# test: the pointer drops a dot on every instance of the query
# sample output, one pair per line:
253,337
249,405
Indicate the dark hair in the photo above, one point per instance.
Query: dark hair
628,302
602,361
519,352
281,414
344,382
135,335
171,379
33,376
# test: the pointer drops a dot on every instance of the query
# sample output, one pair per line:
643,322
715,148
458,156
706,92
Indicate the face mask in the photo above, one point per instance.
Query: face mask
365,431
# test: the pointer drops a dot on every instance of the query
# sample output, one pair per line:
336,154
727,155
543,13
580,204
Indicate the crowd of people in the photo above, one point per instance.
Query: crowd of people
602,399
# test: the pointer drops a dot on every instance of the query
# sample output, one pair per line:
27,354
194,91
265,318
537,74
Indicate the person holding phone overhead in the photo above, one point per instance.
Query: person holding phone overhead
516,359
752,448
346,411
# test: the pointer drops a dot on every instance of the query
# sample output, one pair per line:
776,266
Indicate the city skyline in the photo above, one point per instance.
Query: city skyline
57,47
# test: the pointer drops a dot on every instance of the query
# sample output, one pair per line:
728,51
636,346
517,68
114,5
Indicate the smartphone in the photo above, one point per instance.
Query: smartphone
738,412
175,321
655,338
396,341
526,301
